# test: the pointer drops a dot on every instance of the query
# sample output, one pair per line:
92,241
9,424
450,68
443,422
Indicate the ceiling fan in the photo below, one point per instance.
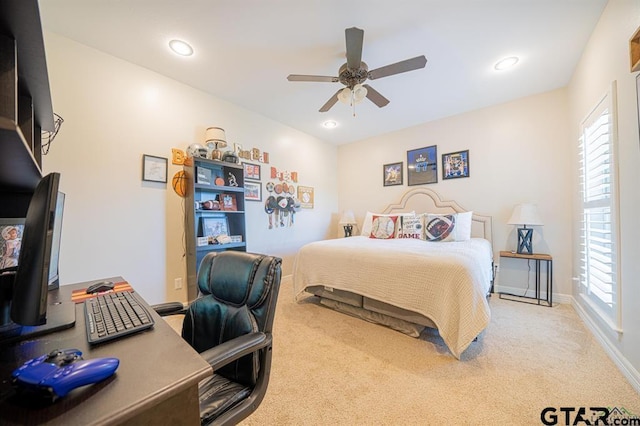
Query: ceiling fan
355,72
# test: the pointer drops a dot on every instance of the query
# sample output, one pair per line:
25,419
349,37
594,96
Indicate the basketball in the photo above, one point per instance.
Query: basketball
179,183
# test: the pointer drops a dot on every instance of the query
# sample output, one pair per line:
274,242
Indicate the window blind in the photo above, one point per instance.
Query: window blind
598,237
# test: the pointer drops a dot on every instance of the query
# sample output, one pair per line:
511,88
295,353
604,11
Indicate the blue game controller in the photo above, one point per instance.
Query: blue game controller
61,371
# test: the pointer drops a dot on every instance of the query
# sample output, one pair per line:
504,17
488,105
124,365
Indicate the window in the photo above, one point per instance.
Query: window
599,285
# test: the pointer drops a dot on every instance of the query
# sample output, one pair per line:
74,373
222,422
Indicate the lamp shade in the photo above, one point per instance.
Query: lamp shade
214,137
525,214
344,95
347,218
359,93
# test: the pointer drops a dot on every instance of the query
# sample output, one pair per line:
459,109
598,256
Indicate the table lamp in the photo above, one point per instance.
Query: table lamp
347,221
215,138
525,214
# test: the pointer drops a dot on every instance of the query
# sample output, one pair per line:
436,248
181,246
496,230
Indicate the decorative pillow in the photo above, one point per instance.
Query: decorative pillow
448,227
410,227
368,219
383,227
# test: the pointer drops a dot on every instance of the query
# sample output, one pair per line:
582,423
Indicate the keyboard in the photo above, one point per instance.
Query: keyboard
113,315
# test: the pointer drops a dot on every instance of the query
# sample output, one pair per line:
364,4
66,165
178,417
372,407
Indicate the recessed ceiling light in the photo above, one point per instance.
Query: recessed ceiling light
181,48
505,63
330,124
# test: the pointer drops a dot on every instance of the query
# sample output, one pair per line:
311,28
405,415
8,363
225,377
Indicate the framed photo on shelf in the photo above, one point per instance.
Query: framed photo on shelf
422,165
252,191
392,174
154,169
455,165
251,171
10,241
228,202
212,226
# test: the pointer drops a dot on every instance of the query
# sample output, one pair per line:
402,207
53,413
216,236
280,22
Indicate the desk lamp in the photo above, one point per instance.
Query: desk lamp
525,214
347,221
214,139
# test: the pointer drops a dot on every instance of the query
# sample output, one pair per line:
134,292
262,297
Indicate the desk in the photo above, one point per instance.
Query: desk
156,382
538,257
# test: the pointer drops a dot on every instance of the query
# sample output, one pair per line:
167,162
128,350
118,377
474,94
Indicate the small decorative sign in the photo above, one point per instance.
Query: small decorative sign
305,195
203,175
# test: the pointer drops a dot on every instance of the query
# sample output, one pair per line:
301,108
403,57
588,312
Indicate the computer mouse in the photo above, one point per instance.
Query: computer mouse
100,287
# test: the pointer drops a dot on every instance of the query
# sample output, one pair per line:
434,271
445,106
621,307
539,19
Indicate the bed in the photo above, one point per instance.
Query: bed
405,283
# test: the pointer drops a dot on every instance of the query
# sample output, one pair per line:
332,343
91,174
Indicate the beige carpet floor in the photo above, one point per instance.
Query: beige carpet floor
333,369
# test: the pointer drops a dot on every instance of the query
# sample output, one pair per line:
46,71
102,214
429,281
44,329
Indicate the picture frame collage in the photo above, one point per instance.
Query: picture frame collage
422,167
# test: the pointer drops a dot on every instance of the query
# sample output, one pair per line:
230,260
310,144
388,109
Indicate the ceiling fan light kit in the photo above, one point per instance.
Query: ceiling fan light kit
355,72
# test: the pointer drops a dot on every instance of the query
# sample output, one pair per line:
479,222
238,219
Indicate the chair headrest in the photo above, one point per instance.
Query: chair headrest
237,278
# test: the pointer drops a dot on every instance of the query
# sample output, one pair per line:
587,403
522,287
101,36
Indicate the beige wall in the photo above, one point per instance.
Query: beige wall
114,223
605,59
518,153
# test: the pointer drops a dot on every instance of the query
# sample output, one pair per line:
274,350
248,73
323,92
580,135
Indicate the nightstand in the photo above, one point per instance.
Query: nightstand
538,258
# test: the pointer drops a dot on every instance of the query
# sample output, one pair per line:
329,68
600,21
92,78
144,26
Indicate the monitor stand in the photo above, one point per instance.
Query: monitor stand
59,316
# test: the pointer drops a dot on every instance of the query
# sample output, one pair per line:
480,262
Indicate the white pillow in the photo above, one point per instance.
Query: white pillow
448,227
410,227
368,220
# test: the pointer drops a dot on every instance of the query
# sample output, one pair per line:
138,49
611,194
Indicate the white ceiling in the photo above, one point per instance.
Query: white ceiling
244,50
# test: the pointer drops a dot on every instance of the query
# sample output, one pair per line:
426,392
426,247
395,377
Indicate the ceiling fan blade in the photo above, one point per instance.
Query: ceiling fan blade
399,67
331,102
354,37
320,78
375,96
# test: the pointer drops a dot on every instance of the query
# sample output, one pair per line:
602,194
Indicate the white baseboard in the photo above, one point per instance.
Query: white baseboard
616,356
557,298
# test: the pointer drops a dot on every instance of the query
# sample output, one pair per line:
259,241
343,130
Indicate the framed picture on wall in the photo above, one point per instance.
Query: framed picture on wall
392,174
251,171
305,195
154,169
422,165
252,191
455,165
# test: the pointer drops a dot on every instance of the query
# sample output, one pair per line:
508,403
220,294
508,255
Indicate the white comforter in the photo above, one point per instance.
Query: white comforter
446,282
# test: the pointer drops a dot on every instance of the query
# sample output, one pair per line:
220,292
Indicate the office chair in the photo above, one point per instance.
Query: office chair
230,324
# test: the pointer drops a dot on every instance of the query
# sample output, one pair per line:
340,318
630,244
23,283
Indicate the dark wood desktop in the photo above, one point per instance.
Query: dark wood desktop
156,381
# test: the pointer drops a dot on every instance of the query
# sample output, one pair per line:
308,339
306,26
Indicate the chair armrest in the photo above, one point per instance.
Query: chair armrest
234,349
170,308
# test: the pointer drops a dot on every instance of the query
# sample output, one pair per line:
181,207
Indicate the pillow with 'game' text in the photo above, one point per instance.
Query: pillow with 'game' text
448,227
410,227
368,219
383,227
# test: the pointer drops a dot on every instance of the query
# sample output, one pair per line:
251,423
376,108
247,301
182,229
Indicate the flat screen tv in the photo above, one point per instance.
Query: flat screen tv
37,269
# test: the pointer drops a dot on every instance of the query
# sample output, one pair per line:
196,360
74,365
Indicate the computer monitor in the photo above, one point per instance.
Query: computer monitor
54,264
37,269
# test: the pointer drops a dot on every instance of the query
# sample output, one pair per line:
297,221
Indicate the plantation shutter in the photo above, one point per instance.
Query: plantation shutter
598,241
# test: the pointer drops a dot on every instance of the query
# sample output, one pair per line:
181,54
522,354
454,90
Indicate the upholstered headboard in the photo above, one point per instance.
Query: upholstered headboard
426,200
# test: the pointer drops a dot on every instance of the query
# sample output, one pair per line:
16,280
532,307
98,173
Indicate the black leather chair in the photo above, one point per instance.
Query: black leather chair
230,325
